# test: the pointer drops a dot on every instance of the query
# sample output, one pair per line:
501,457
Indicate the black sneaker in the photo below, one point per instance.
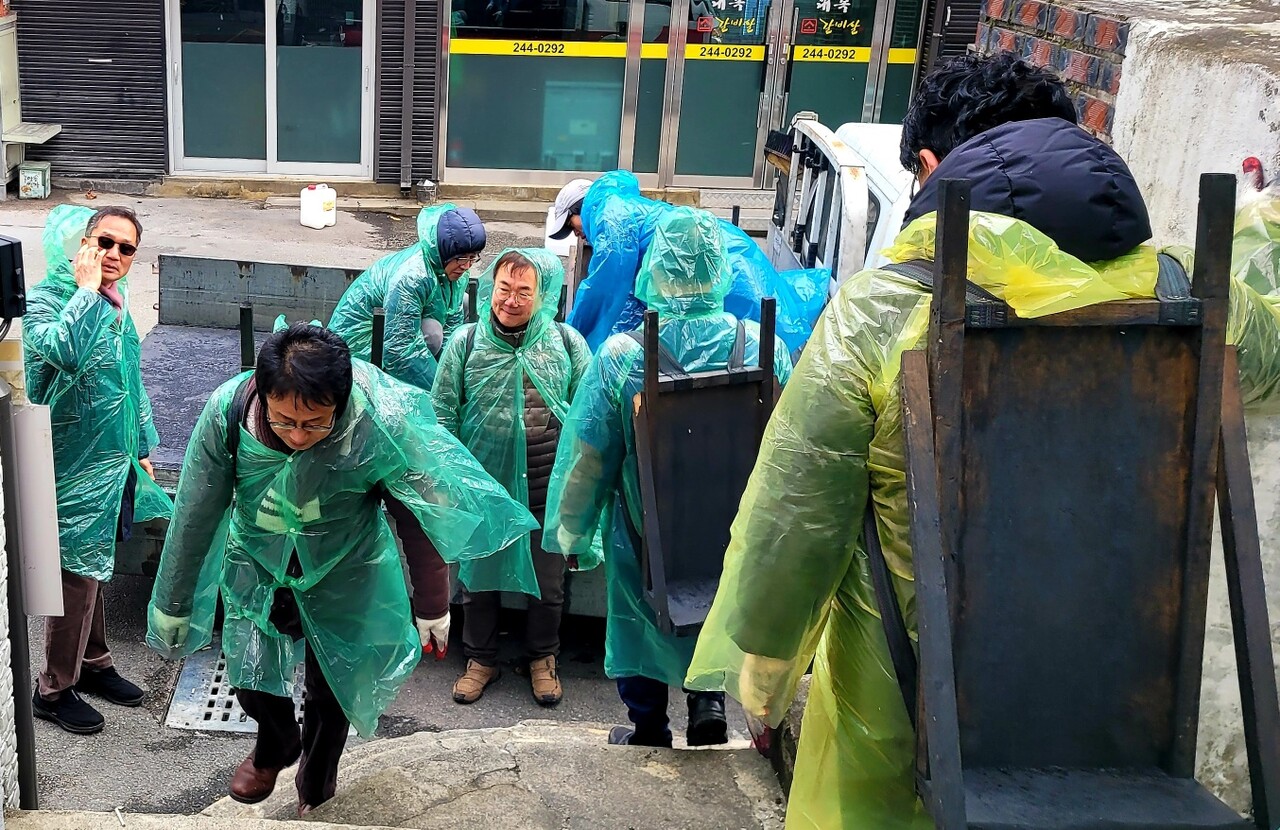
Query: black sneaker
70,712
107,683
707,726
624,736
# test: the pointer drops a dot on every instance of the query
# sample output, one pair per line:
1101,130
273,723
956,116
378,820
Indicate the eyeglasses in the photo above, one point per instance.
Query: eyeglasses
286,427
521,297
106,243
466,261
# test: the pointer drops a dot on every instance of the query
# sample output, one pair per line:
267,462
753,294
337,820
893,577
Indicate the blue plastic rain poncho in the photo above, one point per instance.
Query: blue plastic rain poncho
685,278
619,223
797,590
240,521
83,360
480,397
410,285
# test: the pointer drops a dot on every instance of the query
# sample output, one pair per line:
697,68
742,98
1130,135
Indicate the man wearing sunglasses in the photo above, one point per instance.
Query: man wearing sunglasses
82,356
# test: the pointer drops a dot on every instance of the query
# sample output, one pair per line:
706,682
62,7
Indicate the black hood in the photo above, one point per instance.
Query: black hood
1054,176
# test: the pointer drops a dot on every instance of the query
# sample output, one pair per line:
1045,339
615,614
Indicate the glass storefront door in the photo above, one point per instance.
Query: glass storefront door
273,86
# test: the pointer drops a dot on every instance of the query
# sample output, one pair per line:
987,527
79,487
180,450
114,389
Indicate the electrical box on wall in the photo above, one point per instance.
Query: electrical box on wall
13,295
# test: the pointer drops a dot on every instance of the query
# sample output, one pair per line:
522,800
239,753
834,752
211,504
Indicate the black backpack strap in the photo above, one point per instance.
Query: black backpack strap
738,355
982,308
1172,281
901,652
667,363
466,356
564,337
235,417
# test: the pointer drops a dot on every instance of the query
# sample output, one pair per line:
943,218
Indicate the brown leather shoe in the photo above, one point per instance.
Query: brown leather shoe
470,687
251,784
545,680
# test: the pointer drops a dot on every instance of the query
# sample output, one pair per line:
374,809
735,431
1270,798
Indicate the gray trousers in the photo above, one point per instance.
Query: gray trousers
542,624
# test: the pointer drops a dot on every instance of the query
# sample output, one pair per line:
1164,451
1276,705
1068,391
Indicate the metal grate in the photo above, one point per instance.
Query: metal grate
205,699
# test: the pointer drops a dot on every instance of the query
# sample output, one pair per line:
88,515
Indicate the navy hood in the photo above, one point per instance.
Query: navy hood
458,233
1054,176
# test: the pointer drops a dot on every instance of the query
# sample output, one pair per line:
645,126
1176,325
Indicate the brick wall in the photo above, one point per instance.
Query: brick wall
1086,48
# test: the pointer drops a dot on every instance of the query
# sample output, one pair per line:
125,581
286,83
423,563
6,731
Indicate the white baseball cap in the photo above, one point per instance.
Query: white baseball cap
569,195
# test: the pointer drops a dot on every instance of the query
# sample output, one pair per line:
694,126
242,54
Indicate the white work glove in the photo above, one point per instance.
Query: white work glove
171,631
564,541
758,680
434,635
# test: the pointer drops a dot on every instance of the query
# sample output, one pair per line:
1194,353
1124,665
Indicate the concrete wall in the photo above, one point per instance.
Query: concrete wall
8,739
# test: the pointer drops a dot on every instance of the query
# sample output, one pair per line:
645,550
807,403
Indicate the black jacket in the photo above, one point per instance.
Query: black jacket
1054,176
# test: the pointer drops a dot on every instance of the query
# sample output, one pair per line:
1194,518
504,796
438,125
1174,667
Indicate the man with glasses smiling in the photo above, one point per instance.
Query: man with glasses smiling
82,356
278,510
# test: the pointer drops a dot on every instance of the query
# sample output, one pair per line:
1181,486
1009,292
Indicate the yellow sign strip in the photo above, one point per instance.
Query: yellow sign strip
902,56
653,50
722,52
538,48
831,54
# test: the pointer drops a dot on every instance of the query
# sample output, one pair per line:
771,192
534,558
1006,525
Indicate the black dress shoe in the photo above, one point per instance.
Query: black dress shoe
623,736
70,712
107,683
707,726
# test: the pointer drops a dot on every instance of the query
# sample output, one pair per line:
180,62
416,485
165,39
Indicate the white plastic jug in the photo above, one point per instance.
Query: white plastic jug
319,206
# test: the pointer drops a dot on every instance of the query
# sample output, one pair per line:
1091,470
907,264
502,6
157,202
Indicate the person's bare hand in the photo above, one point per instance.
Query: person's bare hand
145,464
88,267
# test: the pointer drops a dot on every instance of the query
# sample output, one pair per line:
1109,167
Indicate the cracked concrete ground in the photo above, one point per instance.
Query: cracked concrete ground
539,775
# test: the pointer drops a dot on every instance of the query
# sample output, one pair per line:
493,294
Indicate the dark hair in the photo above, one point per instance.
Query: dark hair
307,362
971,94
514,260
576,208
114,210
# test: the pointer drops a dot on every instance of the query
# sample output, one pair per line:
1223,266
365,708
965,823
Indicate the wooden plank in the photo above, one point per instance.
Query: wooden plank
1119,313
946,359
27,132
1246,590
1210,284
940,722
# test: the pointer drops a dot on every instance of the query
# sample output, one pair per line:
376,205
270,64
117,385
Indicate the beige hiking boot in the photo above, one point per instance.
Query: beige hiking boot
545,680
470,687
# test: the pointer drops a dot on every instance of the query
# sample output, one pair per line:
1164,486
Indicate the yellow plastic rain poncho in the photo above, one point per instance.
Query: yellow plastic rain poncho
83,360
239,523
409,285
796,586
480,398
684,276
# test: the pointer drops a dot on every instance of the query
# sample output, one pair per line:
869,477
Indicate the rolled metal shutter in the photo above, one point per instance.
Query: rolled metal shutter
391,22
949,29
99,71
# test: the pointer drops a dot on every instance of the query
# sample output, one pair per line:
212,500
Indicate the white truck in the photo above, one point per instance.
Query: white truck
840,196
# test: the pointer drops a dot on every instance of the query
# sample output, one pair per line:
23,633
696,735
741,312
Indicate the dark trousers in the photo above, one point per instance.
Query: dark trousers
324,724
542,623
77,638
646,702
428,573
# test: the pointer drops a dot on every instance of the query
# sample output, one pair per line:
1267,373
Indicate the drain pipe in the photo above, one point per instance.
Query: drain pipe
406,95
20,647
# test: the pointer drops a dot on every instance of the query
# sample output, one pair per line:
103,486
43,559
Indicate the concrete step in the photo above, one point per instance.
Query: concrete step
255,187
539,775
546,194
63,820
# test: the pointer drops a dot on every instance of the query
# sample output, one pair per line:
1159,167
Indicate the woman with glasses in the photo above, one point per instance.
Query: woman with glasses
420,287
504,389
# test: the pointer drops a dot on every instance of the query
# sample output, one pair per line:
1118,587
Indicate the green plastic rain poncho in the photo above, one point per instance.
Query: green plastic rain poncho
83,360
684,276
480,398
796,586
238,523
409,286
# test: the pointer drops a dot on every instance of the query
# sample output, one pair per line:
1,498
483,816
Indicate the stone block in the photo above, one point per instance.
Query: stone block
1003,40
997,9
1106,33
1068,24
1096,115
1039,52
1033,14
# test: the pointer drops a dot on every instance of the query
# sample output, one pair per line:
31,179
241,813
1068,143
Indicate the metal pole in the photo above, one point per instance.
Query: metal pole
248,358
407,93
473,313
379,326
20,653
736,216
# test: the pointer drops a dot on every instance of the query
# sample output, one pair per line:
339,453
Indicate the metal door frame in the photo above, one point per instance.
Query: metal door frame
271,166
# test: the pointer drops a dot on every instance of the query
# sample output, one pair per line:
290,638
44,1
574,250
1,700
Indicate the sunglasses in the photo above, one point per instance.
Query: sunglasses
106,243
